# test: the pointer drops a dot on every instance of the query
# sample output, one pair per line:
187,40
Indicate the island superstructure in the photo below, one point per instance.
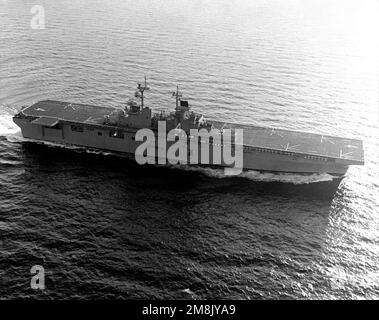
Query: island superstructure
114,129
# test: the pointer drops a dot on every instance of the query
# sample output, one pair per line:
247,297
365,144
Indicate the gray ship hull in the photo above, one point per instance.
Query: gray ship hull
265,149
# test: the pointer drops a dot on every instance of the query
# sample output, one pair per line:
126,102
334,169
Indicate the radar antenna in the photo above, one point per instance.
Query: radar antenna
141,89
177,96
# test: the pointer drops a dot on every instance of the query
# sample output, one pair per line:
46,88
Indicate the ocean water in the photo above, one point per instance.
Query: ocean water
104,227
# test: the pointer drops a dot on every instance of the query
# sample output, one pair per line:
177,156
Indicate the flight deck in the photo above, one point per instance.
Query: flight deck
50,112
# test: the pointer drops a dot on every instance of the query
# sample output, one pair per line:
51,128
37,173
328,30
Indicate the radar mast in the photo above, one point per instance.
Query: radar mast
141,89
177,96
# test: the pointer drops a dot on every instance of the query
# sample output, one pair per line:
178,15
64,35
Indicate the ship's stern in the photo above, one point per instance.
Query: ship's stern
28,130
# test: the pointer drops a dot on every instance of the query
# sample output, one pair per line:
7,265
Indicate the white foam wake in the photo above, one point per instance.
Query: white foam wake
287,177
16,137
263,177
7,126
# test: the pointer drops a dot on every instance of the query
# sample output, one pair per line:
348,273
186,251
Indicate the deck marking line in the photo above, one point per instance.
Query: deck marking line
327,140
289,148
343,155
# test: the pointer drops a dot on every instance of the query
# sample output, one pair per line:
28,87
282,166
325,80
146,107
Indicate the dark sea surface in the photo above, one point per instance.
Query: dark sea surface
104,227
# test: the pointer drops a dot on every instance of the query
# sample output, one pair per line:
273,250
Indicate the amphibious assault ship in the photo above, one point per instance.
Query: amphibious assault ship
114,129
